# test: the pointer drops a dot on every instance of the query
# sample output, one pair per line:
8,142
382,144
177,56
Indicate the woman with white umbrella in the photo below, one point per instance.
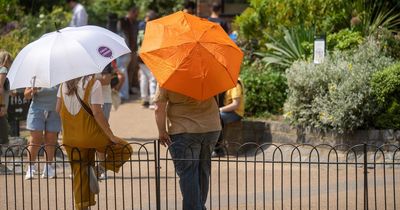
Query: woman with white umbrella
68,56
85,131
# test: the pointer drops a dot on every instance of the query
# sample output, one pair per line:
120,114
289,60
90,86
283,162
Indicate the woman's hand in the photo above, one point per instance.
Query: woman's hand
117,140
29,92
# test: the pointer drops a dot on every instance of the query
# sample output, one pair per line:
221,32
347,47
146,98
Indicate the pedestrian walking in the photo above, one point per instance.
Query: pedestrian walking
193,129
148,83
5,64
44,124
130,27
214,17
189,76
120,64
105,80
79,15
190,7
85,131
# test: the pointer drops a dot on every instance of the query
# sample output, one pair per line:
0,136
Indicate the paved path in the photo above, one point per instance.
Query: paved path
235,183
132,121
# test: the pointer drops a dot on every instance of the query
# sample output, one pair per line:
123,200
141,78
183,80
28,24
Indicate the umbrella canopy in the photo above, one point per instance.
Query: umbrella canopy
191,55
64,55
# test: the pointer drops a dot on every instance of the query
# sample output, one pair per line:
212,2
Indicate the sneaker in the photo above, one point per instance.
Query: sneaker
152,107
103,176
30,172
93,183
48,172
101,172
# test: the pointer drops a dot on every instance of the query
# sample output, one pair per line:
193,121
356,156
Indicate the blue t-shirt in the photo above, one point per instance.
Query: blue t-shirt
45,99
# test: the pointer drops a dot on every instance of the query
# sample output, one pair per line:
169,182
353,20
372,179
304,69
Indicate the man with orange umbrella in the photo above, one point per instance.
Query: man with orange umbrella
193,60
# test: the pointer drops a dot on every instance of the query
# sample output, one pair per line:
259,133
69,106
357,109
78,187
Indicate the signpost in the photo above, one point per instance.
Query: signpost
17,111
319,49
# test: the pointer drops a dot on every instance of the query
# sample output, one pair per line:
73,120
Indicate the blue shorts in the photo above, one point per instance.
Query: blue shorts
106,110
230,117
42,120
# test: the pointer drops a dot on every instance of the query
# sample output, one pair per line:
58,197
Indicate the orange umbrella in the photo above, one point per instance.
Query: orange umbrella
191,55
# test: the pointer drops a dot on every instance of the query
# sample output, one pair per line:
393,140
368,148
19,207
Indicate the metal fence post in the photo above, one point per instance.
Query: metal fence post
157,167
365,177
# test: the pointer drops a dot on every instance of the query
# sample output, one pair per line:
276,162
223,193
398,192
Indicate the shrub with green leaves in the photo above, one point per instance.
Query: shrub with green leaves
265,89
31,28
336,94
264,18
292,47
386,89
345,39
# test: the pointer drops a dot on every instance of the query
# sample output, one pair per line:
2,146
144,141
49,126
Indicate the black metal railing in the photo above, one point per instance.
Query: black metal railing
249,176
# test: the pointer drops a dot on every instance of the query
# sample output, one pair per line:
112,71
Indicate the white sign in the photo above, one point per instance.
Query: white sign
319,51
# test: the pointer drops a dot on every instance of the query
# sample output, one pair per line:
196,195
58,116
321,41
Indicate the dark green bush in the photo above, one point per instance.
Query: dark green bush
386,89
265,89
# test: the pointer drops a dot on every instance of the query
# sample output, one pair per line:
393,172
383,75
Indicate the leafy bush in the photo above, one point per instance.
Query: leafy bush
372,15
335,94
264,18
265,89
98,10
386,88
390,42
344,40
32,27
292,47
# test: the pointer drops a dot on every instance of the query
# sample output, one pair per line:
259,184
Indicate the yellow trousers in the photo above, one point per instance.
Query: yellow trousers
82,158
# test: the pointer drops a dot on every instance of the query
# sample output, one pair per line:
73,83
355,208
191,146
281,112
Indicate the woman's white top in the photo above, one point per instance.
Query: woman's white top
71,102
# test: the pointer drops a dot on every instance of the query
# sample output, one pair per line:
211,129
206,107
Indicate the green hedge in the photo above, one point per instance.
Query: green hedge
265,89
386,88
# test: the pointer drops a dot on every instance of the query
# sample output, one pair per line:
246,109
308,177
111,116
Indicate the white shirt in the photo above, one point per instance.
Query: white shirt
79,17
71,102
106,89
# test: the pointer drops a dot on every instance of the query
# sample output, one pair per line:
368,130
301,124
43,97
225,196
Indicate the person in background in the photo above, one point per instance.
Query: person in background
231,110
105,80
130,27
5,64
79,15
44,124
120,65
148,83
214,17
85,131
190,7
193,130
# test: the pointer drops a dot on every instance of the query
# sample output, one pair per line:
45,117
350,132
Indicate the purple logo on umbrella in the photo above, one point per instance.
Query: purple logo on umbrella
105,51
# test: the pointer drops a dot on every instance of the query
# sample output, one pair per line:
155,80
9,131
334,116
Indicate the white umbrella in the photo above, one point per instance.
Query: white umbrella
64,55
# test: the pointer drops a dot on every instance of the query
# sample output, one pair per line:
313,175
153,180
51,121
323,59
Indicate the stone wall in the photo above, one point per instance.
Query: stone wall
280,132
